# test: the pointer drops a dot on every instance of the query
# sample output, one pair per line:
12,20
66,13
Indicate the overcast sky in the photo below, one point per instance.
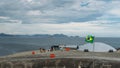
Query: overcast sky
70,17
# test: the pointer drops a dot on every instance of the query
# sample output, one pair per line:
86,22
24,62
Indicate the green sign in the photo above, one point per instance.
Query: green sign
89,39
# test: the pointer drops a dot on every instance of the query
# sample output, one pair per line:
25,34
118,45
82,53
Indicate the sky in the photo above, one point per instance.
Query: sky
100,18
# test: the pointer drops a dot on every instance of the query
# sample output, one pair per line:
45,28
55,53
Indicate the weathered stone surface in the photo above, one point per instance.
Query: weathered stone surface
71,59
61,63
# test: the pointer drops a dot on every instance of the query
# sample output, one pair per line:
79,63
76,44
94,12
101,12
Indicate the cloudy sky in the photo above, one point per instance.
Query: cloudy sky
69,17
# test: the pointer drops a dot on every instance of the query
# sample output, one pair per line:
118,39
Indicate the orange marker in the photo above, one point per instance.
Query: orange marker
67,49
52,55
33,52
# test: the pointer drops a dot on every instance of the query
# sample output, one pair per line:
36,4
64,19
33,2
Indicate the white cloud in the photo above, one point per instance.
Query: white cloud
68,29
93,5
35,2
34,12
8,20
29,0
15,21
97,17
115,12
2,17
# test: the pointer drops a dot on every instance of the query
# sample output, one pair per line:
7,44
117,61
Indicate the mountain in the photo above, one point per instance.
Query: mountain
59,35
5,35
35,35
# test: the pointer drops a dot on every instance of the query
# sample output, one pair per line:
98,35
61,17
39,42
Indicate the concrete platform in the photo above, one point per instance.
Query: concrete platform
63,59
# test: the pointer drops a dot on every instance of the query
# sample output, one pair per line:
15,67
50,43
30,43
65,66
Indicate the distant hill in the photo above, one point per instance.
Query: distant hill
5,35
35,35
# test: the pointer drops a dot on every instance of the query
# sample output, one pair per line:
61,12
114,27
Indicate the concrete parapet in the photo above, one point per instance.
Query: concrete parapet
63,59
60,63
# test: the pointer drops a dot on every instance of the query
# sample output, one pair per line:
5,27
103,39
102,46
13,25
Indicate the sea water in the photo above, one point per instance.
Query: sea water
10,45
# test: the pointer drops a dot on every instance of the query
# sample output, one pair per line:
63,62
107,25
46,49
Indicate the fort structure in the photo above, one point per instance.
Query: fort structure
62,59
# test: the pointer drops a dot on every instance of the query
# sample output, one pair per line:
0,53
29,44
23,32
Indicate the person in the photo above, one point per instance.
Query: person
48,50
40,50
51,49
77,47
61,48
44,50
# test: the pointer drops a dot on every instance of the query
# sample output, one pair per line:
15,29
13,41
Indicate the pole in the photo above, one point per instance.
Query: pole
93,55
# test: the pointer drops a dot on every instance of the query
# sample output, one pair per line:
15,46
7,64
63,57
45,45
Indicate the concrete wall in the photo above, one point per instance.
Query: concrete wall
60,63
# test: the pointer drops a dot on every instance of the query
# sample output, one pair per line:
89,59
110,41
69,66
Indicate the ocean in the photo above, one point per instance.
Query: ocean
10,45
